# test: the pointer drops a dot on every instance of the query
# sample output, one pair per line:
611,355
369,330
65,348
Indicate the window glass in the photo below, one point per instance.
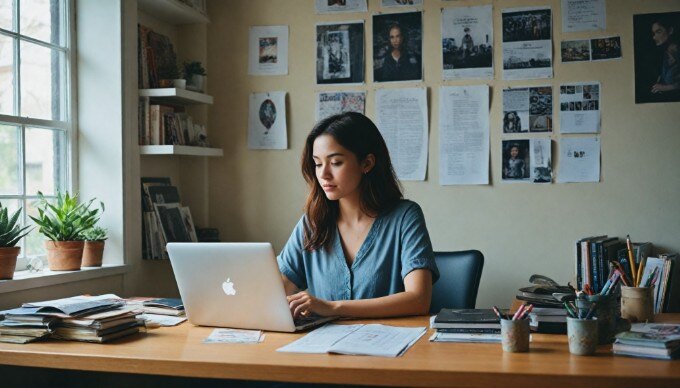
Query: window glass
41,19
6,75
41,83
34,242
10,160
44,158
6,15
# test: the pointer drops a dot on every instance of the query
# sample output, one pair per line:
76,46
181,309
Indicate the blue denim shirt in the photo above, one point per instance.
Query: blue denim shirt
397,243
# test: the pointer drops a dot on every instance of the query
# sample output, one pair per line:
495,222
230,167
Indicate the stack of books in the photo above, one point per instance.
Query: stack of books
164,218
649,340
163,306
81,318
466,325
548,319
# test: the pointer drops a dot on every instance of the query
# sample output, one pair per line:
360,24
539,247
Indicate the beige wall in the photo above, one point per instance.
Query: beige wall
521,229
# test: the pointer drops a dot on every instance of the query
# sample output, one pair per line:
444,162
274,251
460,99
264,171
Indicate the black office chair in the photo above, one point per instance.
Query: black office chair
459,280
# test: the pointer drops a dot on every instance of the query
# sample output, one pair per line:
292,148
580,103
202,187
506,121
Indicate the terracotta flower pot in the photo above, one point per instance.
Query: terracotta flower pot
93,253
64,255
8,261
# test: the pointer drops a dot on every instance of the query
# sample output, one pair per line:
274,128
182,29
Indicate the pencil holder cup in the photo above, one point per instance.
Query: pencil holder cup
515,335
609,322
637,304
582,335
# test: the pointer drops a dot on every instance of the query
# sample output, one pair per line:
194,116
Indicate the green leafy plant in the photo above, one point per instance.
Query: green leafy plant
10,231
95,234
191,68
67,219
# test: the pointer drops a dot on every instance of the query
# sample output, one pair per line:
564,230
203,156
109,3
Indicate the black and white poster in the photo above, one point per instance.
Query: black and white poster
401,3
467,42
340,53
527,43
527,109
580,107
657,57
397,47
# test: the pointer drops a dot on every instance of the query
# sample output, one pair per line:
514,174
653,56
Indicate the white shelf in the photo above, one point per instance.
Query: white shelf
179,150
177,96
172,11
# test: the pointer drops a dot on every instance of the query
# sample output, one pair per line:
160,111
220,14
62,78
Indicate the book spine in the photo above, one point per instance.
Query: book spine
579,278
585,245
594,265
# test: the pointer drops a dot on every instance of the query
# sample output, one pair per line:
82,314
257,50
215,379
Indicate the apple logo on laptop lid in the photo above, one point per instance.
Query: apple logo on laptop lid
228,287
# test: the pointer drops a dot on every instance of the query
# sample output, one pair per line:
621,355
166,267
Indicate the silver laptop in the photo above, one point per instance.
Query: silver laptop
234,285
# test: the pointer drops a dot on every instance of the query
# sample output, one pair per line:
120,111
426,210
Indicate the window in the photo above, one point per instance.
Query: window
35,107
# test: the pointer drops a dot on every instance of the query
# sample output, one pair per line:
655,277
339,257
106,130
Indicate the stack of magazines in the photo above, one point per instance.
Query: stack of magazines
466,325
649,340
80,318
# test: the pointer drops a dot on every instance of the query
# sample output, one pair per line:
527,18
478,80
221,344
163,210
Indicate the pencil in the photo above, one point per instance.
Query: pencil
498,313
641,270
518,312
631,260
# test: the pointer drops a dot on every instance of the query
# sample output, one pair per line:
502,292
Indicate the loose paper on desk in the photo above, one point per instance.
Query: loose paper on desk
527,43
234,336
268,50
267,121
464,135
333,103
583,15
163,320
372,340
580,108
467,42
579,159
402,121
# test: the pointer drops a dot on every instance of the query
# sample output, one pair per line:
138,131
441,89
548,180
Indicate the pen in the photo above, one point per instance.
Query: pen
641,267
624,279
569,310
590,312
526,312
518,312
498,313
631,260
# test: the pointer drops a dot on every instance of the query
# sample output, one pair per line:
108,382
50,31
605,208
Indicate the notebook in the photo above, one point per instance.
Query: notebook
236,285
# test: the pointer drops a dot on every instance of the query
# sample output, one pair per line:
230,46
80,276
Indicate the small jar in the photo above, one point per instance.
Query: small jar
515,335
637,304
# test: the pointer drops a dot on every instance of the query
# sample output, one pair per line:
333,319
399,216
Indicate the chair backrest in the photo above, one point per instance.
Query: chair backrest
457,286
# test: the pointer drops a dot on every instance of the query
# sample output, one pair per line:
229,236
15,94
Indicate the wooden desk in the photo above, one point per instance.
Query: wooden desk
178,351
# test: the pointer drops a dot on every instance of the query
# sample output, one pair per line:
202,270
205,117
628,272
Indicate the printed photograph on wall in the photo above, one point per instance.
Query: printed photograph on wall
527,109
657,57
333,103
515,160
467,42
575,50
268,50
401,3
336,6
397,47
527,43
340,53
606,48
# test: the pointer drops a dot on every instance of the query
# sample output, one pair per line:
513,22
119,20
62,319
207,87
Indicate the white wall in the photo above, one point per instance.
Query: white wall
521,229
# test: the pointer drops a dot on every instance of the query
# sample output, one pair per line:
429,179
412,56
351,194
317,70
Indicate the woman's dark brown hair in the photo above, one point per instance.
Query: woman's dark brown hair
379,188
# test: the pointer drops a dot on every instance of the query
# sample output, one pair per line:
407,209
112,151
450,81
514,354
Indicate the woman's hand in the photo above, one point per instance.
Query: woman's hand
303,304
660,88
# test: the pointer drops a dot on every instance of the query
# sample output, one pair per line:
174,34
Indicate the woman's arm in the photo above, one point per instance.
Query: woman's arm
414,300
289,286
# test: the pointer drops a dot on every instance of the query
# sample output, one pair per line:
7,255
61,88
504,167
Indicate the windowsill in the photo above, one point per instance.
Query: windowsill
24,280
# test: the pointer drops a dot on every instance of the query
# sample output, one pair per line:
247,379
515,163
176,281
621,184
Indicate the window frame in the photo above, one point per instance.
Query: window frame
66,47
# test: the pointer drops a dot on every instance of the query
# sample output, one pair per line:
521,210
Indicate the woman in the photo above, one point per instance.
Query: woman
512,122
398,64
360,250
669,77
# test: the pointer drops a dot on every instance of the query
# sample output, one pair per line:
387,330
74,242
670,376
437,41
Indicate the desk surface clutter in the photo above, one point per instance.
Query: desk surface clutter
180,351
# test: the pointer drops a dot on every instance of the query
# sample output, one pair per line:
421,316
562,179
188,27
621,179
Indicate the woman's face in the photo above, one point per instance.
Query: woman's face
338,170
514,152
660,33
396,39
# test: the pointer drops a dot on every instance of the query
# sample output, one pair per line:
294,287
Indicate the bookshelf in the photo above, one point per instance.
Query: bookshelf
179,150
176,96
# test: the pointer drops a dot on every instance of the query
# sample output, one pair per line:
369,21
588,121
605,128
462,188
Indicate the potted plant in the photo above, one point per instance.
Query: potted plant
63,224
94,247
10,234
179,81
195,75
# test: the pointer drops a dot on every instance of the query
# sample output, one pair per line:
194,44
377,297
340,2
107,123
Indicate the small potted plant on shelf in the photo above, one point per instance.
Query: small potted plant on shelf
179,81
10,234
94,247
63,224
195,75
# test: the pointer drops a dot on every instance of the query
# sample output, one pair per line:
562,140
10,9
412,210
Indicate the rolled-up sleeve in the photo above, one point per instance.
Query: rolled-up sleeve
416,247
291,258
